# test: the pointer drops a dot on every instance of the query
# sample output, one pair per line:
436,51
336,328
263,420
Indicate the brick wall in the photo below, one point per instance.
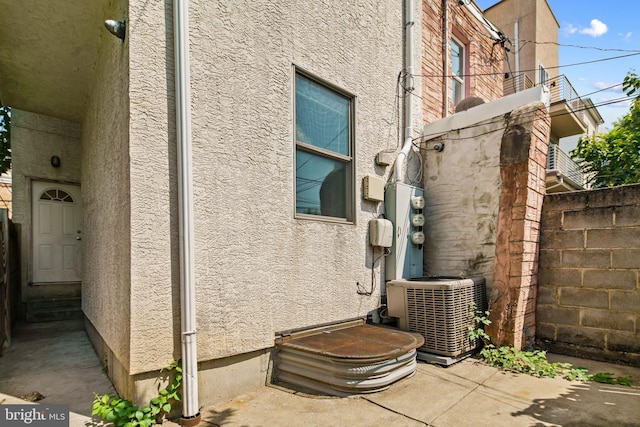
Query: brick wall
483,204
485,61
589,276
523,159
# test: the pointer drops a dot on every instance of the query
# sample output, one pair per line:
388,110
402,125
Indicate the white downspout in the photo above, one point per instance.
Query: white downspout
190,407
408,90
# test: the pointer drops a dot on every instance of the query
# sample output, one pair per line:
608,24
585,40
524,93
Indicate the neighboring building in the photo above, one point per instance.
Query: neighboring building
5,192
460,58
533,29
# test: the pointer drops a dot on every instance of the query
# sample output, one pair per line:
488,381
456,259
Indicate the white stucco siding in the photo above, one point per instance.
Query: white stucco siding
105,182
154,295
35,139
258,269
462,191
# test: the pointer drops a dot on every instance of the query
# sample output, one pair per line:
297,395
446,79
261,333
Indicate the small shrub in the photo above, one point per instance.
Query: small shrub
123,413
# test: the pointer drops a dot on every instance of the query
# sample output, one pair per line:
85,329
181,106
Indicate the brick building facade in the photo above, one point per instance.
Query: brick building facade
481,59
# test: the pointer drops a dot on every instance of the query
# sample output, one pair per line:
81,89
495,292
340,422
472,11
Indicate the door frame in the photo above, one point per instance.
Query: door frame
28,290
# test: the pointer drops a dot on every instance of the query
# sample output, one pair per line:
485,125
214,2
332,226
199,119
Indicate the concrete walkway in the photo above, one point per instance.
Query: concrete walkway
65,369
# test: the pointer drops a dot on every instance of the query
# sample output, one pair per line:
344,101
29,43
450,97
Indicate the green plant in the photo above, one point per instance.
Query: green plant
531,362
479,320
609,378
123,413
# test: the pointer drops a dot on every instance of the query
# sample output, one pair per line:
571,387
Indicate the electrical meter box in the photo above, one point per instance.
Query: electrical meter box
381,232
404,206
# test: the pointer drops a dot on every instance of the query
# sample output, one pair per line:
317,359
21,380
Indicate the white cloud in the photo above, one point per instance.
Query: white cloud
608,86
597,29
627,36
569,29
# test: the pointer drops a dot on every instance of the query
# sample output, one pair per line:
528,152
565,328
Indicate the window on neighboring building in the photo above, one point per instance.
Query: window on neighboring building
457,70
543,75
324,150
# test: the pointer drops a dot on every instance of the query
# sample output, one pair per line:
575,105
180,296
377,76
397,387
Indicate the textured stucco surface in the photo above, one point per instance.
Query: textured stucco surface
35,138
47,54
154,293
536,21
462,191
105,183
258,269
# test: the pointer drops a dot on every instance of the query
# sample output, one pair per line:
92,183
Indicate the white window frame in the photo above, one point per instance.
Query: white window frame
459,79
543,75
348,160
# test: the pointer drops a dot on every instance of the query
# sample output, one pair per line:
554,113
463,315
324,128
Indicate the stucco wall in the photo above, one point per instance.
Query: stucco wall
483,197
35,138
536,22
258,269
105,185
462,194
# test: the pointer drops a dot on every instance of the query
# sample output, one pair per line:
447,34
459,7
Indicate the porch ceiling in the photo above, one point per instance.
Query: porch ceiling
48,52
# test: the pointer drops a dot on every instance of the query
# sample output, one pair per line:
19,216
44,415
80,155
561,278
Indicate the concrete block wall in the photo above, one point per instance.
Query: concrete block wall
589,274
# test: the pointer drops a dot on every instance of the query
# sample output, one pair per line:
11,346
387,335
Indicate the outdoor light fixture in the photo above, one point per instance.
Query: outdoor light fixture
117,28
55,161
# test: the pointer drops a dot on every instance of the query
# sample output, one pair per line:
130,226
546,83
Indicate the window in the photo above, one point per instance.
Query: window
56,195
457,71
324,150
543,75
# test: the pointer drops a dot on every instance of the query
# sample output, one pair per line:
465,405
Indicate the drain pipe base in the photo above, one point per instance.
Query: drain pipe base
191,421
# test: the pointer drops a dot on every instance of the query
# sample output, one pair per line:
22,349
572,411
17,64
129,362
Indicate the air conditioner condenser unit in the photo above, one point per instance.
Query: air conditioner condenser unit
440,309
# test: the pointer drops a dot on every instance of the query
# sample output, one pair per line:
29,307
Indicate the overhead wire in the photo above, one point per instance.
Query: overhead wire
535,69
603,49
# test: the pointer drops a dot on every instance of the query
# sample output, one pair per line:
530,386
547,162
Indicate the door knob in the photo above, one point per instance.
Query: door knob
78,238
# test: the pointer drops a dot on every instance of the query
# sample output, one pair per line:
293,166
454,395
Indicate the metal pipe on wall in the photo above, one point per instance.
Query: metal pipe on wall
408,89
190,411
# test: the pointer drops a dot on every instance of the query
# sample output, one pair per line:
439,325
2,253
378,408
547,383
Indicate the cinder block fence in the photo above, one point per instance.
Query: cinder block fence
588,300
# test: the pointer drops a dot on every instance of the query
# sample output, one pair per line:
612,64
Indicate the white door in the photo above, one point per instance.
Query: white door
57,232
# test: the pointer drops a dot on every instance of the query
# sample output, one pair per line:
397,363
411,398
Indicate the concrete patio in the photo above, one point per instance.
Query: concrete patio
63,367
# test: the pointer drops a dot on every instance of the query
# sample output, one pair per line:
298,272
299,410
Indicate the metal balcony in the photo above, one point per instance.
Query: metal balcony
517,83
567,109
563,174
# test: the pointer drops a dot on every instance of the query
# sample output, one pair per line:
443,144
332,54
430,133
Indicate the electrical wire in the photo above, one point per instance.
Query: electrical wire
535,69
360,289
603,49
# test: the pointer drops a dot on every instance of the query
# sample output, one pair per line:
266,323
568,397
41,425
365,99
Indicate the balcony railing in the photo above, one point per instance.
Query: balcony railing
559,161
562,90
517,83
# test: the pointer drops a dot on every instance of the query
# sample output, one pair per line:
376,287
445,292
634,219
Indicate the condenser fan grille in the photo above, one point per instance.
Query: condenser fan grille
442,313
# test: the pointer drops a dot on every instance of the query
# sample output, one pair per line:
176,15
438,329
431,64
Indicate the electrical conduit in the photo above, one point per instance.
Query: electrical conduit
190,407
408,89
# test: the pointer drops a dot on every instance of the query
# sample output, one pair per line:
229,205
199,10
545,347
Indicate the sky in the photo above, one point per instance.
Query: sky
612,24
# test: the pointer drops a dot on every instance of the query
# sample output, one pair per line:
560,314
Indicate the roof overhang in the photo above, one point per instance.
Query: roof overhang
48,52
557,182
564,121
